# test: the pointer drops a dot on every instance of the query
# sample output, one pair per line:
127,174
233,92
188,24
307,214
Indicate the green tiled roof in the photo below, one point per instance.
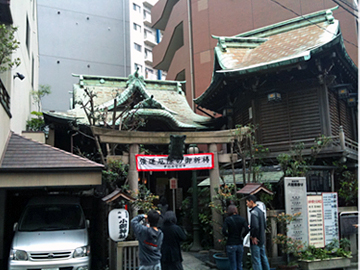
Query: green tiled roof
171,104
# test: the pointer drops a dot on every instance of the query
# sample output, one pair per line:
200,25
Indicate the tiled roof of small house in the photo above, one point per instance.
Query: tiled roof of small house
25,154
161,100
279,46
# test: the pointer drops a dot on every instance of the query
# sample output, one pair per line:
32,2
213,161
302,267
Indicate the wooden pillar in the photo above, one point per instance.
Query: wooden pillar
133,174
215,183
342,138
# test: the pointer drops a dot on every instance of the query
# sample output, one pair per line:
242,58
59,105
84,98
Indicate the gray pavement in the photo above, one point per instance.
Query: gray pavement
190,262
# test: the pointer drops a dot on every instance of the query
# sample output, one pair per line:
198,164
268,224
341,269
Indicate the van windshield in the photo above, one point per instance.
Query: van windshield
52,218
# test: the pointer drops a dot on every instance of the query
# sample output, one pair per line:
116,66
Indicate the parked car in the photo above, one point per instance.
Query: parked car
52,234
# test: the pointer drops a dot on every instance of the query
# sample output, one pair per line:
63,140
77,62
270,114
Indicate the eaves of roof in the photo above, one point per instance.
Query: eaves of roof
22,154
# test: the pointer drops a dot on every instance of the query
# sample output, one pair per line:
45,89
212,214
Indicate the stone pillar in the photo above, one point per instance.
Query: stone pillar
133,174
215,183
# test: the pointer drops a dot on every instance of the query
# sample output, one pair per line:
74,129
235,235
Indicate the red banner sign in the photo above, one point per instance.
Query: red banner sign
202,161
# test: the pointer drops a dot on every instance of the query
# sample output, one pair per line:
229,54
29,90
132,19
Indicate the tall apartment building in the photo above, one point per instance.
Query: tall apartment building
186,50
94,37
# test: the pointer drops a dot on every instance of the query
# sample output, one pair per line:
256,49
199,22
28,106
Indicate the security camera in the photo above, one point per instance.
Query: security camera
19,75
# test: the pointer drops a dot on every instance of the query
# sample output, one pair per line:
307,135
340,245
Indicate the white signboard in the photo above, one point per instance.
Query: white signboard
118,224
316,223
295,202
161,163
331,220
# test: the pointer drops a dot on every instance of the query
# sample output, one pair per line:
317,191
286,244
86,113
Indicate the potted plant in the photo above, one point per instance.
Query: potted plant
334,255
289,246
224,195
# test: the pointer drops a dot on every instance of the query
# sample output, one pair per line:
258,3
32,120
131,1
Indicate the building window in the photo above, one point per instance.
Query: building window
137,27
137,47
147,14
147,33
137,66
32,71
149,73
136,7
27,34
148,53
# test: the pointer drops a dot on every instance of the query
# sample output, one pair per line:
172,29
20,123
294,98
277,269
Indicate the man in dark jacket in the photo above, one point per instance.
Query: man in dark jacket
150,240
257,235
235,227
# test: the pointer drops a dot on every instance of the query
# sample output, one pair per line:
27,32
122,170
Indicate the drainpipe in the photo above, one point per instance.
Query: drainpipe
191,57
159,73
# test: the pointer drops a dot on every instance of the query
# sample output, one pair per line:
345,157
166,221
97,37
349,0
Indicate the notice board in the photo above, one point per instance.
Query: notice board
295,202
316,221
331,219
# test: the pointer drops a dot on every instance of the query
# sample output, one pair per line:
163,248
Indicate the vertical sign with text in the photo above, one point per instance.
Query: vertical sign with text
295,202
331,220
316,222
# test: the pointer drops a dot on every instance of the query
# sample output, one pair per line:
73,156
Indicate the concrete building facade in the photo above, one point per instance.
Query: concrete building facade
109,38
17,83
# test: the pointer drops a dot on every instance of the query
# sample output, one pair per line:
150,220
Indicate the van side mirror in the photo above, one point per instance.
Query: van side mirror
15,226
87,222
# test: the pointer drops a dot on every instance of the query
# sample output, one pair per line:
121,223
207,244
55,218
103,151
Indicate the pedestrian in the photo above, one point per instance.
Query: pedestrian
150,239
235,228
171,258
163,207
257,235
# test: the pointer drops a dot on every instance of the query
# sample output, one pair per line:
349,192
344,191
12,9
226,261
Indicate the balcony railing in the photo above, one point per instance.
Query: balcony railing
339,144
150,40
147,19
148,59
5,98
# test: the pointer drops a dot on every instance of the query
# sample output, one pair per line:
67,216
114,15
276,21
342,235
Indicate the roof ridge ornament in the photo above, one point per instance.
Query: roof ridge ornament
222,43
136,77
149,103
329,16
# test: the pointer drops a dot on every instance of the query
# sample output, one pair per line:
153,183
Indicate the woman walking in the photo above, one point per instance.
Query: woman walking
171,258
235,228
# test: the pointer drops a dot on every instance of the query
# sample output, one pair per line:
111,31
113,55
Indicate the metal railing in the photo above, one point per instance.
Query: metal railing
127,255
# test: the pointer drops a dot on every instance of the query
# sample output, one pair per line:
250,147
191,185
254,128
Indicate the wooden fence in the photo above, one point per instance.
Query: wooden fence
127,255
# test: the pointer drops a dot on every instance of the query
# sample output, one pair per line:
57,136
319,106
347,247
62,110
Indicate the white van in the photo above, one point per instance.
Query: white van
51,235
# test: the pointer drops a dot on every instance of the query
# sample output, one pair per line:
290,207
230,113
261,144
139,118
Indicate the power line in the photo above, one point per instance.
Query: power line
276,2
336,2
350,6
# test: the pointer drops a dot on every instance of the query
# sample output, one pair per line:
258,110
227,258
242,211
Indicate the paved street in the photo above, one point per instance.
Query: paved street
192,263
